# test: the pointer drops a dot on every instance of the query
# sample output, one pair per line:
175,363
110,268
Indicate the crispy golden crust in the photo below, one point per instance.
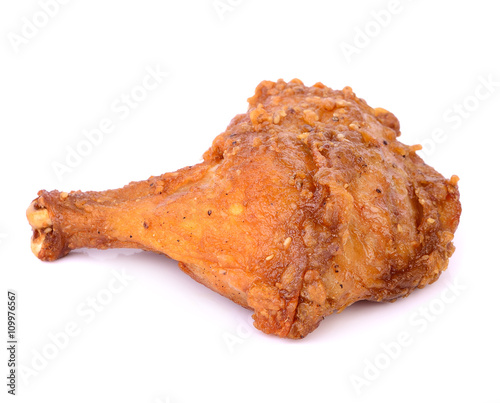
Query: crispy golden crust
304,205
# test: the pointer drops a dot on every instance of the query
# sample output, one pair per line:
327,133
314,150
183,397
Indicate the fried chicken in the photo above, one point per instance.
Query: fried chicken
306,204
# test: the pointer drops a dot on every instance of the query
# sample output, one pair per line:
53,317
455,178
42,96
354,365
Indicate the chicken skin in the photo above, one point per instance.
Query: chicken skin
306,204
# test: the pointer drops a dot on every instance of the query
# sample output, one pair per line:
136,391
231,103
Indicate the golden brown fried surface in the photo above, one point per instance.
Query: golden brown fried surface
304,205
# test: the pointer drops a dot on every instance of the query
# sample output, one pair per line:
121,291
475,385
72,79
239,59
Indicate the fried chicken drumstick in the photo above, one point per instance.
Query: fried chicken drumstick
304,205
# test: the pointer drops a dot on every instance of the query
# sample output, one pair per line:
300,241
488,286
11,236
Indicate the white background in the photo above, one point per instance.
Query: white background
165,338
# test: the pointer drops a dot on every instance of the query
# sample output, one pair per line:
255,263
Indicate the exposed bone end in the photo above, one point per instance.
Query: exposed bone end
48,242
37,242
39,219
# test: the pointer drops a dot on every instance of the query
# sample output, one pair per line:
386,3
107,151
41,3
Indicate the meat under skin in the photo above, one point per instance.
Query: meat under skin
306,204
